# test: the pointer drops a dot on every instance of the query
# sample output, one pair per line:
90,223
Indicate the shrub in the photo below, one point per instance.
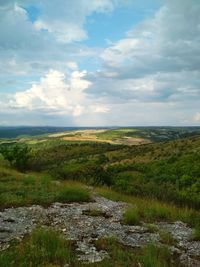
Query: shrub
17,155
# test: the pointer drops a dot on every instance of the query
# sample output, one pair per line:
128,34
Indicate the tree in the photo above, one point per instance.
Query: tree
17,155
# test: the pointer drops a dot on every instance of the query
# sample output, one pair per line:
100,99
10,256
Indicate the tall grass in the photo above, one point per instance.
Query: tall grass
167,238
151,210
42,248
196,233
73,194
17,189
120,256
132,217
153,256
46,248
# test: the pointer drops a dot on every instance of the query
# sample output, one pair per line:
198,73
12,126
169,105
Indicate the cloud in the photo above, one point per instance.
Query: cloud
158,60
57,94
176,87
167,42
66,21
121,51
153,70
63,19
40,44
27,53
197,117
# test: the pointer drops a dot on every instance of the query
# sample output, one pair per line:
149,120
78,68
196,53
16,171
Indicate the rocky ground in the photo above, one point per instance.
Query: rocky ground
77,222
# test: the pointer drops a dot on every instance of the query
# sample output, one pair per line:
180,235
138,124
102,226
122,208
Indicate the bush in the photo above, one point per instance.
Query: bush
17,155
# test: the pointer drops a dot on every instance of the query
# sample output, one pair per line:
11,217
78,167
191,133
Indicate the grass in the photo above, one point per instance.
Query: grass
196,233
167,238
44,247
73,194
153,256
119,135
132,217
151,228
151,210
120,256
19,189
93,212
135,215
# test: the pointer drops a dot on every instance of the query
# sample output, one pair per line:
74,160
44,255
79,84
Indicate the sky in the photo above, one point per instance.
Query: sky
100,62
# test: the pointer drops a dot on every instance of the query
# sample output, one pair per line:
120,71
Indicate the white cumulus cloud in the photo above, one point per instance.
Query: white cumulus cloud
56,93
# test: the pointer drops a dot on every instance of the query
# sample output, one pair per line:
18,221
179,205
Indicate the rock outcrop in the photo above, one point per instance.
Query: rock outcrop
84,229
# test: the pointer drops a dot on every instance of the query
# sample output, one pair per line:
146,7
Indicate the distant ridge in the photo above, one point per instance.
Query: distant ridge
145,131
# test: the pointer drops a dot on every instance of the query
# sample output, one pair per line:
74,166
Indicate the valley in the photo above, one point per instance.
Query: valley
93,194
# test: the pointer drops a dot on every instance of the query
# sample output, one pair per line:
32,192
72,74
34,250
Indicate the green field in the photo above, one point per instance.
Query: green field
117,135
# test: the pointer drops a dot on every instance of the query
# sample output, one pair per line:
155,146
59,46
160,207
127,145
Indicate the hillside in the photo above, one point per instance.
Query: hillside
113,135
103,196
168,171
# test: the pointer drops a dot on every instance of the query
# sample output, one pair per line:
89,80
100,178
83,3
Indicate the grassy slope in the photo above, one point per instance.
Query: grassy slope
149,210
169,171
19,189
130,169
45,247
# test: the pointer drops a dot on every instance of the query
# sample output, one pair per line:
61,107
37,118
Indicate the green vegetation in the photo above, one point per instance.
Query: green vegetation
150,133
150,213
72,194
149,210
167,238
93,212
196,233
17,155
160,181
17,189
132,217
156,257
149,256
44,247
152,228
114,134
166,171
